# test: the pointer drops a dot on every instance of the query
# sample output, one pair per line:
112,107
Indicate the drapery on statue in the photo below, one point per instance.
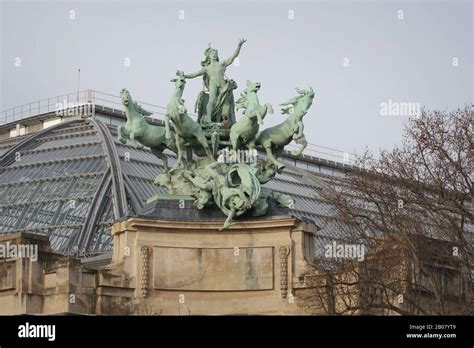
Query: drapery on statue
234,189
219,89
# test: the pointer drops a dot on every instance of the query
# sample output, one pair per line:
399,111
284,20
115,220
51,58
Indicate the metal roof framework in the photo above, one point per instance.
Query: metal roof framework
72,180
67,182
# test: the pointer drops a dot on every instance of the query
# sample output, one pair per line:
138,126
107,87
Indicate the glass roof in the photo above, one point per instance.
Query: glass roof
59,183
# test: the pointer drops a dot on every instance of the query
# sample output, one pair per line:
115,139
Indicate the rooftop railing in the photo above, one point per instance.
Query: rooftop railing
103,101
64,101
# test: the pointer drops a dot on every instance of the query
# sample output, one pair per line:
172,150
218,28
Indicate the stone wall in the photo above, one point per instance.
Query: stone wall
167,268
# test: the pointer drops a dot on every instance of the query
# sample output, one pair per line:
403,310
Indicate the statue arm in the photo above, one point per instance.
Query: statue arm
228,221
231,59
192,75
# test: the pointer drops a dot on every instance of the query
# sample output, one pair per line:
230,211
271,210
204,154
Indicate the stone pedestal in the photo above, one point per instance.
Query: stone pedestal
185,266
171,260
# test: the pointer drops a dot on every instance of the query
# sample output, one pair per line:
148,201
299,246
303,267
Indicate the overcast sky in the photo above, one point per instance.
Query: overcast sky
404,51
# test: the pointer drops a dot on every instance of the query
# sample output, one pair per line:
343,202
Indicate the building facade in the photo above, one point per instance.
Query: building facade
69,187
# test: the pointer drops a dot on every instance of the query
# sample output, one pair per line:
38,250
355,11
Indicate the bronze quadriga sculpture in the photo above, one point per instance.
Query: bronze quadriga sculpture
233,185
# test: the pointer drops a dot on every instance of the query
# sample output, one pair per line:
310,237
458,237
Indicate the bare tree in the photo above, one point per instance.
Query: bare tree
412,208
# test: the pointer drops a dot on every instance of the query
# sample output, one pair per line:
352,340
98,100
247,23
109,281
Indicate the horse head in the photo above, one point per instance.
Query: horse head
125,97
300,103
252,87
307,98
306,92
179,82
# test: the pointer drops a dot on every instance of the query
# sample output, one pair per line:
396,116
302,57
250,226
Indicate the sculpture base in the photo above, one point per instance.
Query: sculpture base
166,196
169,267
182,208
191,268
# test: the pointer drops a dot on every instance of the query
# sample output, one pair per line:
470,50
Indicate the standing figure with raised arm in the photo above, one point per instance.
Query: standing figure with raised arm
213,72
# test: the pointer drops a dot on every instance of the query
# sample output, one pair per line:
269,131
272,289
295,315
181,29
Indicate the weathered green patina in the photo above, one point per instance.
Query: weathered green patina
242,133
138,130
234,189
188,131
215,83
274,139
232,186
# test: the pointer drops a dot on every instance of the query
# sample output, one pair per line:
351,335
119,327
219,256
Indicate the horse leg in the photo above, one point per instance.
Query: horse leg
280,166
123,134
252,153
258,114
203,141
265,110
136,132
268,109
158,152
303,143
251,144
180,145
215,140
133,135
234,138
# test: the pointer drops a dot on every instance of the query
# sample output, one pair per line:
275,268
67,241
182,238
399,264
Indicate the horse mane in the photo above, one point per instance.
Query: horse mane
139,109
242,101
291,103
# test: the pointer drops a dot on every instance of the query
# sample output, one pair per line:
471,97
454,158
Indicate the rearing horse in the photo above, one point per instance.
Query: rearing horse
244,131
141,132
187,130
274,139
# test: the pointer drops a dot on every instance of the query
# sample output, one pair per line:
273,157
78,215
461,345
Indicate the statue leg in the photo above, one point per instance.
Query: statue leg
215,140
139,132
123,134
133,134
303,143
234,138
158,152
210,104
181,148
259,117
268,109
203,141
228,221
251,144
280,166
